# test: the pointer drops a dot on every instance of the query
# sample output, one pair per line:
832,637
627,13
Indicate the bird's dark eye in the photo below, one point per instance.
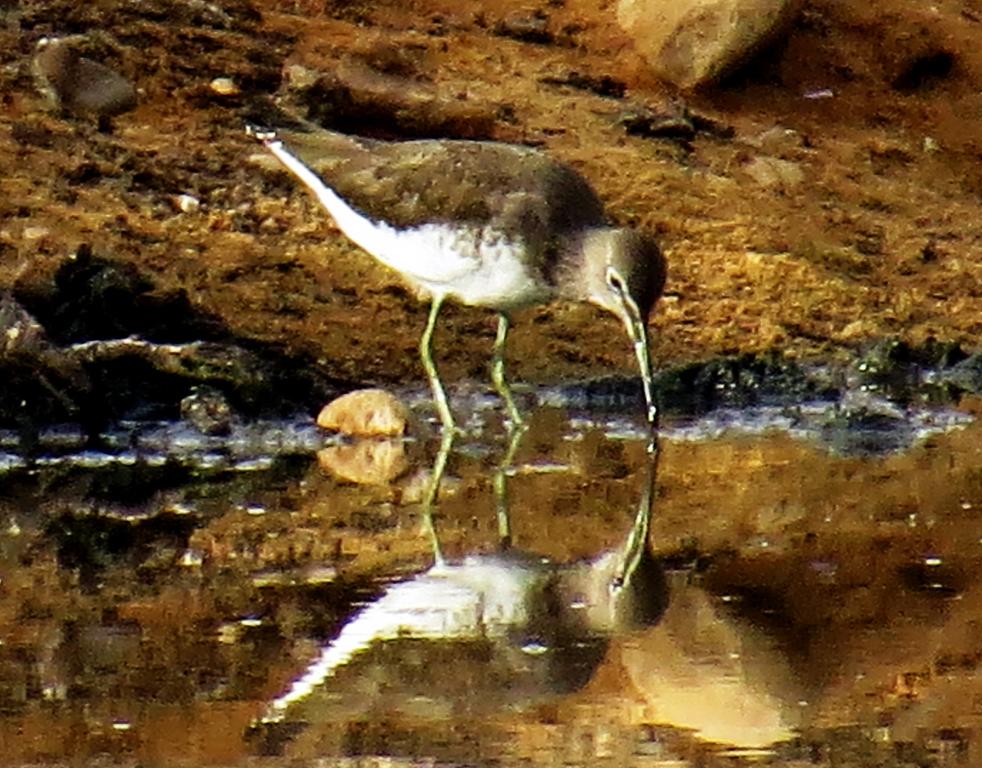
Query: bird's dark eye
615,281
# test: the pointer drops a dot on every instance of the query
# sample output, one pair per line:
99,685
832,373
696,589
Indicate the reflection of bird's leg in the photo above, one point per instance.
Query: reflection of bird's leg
501,481
498,371
439,467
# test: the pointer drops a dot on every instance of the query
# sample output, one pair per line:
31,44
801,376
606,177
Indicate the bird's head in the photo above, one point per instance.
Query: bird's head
623,272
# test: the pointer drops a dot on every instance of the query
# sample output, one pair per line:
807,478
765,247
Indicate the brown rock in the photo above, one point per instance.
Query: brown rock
368,412
696,42
80,85
355,98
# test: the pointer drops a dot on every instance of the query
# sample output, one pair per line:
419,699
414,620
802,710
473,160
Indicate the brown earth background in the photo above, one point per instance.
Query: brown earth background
874,231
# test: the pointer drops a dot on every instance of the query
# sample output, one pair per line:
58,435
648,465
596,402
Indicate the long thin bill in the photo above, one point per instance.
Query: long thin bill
638,331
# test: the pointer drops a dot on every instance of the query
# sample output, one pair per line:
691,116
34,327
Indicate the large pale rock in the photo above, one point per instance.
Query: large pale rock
696,42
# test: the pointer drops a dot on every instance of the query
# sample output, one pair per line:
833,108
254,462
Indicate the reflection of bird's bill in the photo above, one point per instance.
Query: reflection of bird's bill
623,589
636,545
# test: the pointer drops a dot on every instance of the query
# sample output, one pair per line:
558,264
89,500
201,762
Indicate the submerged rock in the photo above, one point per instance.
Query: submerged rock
738,382
208,411
966,375
906,372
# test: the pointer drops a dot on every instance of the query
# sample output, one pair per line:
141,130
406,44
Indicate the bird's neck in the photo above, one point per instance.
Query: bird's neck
576,273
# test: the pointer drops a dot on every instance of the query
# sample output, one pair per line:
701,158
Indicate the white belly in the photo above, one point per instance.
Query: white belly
475,266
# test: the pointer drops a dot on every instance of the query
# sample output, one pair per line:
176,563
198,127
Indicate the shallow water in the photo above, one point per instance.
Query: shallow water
802,603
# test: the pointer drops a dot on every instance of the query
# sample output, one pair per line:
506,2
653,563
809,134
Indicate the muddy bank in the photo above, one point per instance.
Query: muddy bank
812,226
71,365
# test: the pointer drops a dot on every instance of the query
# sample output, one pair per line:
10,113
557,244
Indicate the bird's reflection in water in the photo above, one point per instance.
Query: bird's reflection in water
485,632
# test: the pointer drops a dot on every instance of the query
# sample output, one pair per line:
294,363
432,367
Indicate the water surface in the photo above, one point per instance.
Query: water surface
800,602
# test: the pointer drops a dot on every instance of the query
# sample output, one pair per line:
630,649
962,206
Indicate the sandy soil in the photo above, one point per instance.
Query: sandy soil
868,229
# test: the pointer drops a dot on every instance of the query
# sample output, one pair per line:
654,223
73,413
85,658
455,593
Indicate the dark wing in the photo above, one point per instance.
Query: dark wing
407,184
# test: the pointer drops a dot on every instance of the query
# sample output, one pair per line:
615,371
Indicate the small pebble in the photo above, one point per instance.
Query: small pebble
774,172
36,233
299,78
224,86
366,412
187,203
208,411
776,140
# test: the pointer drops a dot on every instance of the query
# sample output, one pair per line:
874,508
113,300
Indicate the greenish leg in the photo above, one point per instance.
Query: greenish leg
426,353
498,371
432,491
501,485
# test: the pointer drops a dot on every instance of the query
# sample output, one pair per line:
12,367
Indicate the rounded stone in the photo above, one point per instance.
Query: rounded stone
365,412
80,85
224,86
